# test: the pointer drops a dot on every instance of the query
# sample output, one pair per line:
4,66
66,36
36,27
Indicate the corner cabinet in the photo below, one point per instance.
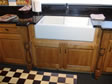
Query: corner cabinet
13,42
64,54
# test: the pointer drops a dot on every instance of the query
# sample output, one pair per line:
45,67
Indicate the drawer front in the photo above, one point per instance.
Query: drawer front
8,30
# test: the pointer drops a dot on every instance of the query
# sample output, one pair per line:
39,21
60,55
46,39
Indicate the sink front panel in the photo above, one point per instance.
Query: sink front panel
64,33
65,28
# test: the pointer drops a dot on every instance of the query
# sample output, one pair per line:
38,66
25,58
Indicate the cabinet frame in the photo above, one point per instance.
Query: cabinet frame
67,44
19,35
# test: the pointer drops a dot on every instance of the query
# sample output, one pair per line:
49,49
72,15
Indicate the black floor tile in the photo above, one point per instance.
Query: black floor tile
3,73
46,78
36,82
61,79
17,74
30,76
21,81
6,79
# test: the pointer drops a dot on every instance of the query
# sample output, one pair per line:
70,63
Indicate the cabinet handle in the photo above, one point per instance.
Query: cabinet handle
65,51
102,51
6,29
110,49
60,50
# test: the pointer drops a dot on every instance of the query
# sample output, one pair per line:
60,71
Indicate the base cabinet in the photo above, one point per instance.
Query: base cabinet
65,54
79,59
13,50
13,44
106,45
0,53
108,58
47,57
63,58
105,55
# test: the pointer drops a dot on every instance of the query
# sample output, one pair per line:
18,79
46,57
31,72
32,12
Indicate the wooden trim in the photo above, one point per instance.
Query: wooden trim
77,68
8,25
10,36
97,44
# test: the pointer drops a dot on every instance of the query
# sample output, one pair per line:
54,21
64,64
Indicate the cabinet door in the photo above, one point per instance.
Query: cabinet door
108,58
47,57
78,59
12,48
0,52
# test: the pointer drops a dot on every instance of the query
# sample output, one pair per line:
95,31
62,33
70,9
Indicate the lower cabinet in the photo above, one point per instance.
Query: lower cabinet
0,53
79,59
105,55
47,57
108,58
12,49
14,44
65,55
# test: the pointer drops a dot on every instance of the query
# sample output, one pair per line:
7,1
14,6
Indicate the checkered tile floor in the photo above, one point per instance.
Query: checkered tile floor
20,76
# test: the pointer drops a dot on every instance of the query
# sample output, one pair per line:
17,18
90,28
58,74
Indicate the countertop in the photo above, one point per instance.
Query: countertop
106,24
60,10
23,21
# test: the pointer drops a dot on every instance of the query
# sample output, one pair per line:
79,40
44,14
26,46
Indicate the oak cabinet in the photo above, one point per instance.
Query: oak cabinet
0,53
65,54
47,55
60,56
12,50
78,59
104,63
108,58
13,44
106,44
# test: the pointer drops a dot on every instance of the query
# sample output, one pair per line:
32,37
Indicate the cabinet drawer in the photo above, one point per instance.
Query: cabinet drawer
8,30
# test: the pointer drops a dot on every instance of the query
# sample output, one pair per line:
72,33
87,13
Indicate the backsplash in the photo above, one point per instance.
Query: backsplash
74,10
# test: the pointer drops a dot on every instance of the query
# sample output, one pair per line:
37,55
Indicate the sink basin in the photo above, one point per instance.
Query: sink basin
65,28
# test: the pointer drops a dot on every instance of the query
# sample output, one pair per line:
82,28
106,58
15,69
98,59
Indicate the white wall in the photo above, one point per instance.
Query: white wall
85,2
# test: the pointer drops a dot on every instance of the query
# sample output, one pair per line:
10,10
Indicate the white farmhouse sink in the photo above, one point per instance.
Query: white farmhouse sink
65,28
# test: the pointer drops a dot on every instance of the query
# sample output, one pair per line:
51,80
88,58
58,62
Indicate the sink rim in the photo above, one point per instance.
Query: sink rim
63,24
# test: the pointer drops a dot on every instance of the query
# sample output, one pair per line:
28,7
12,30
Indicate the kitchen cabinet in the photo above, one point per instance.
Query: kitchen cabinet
52,54
18,2
108,60
12,50
65,54
78,59
14,44
104,63
47,56
23,2
0,53
3,2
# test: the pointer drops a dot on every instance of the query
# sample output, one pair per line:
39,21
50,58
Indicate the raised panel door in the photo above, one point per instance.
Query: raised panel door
47,57
12,49
78,59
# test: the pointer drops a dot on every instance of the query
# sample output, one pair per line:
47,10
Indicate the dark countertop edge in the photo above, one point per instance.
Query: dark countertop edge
37,18
19,23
